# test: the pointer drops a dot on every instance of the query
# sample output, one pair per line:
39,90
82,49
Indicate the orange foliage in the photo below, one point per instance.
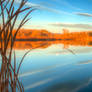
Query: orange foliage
44,34
67,38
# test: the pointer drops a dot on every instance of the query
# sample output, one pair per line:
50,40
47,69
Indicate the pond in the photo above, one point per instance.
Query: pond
56,68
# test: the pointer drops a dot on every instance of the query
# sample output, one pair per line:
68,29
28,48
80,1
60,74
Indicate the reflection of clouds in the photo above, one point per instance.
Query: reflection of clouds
73,51
69,86
50,79
62,52
65,51
58,52
83,50
38,83
41,70
66,89
84,62
84,85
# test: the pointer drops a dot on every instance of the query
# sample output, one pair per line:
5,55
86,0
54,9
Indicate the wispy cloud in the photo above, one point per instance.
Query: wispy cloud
42,7
84,14
67,4
72,25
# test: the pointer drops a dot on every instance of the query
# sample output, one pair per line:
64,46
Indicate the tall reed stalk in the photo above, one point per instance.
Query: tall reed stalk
9,81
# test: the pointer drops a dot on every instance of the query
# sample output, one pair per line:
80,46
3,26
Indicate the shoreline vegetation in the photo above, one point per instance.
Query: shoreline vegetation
35,34
28,39
33,38
9,15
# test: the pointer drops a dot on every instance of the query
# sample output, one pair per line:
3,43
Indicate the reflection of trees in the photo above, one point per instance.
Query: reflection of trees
45,44
47,38
8,17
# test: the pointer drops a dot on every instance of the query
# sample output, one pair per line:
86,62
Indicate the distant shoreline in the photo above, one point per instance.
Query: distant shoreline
41,39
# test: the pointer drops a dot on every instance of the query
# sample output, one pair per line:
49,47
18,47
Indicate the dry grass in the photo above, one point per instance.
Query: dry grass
9,81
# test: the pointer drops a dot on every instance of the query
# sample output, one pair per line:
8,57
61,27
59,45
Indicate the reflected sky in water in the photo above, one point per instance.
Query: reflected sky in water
55,69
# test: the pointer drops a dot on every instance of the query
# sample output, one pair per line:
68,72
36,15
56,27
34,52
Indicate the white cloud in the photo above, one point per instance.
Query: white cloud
72,25
42,7
84,14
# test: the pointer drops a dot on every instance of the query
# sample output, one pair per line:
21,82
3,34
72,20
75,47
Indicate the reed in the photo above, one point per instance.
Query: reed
9,81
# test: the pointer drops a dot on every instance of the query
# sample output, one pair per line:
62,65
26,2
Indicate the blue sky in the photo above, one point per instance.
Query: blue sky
58,12
63,10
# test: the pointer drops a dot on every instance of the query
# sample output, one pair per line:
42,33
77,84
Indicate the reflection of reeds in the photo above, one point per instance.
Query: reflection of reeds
8,14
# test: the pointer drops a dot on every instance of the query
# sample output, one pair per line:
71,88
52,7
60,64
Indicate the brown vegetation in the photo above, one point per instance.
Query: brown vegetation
42,39
45,34
8,16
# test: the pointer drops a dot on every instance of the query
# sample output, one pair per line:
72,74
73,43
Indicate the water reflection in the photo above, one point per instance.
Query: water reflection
55,66
21,45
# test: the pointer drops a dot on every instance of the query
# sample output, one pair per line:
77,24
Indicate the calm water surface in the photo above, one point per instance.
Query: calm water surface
55,69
